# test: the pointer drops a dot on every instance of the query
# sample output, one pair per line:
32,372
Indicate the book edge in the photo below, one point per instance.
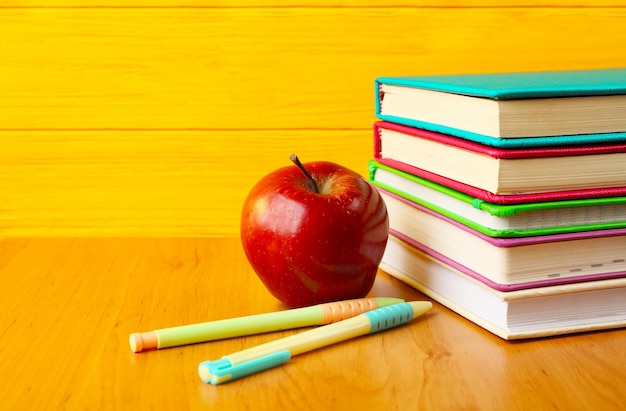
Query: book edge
503,333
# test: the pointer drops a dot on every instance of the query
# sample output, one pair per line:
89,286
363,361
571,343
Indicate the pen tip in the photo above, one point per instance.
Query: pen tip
420,307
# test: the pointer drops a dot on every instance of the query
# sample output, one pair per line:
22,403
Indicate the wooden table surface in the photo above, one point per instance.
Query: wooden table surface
69,305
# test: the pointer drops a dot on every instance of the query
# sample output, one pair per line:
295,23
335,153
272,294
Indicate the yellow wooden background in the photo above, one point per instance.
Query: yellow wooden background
155,117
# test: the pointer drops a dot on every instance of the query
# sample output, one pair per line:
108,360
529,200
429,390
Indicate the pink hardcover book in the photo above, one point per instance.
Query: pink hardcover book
503,287
422,215
497,153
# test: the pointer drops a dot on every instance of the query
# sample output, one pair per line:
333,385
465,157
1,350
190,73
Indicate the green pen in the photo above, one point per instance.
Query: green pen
320,314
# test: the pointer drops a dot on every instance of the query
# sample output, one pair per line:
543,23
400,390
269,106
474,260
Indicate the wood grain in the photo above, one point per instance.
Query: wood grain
309,3
268,68
149,183
155,117
69,305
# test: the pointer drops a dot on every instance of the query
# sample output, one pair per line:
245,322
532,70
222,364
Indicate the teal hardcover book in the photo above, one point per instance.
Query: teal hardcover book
511,109
502,220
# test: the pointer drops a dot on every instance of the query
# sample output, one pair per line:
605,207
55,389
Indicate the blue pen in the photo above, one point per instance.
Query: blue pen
274,353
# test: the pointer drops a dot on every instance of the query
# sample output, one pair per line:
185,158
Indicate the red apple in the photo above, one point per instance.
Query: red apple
314,233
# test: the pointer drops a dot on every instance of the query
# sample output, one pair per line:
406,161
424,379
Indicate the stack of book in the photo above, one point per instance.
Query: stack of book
506,195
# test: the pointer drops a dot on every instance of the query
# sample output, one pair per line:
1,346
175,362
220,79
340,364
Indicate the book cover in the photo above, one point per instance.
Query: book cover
513,260
530,313
502,171
511,109
522,85
502,220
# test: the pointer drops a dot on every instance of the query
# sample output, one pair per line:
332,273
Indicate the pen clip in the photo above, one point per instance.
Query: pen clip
221,371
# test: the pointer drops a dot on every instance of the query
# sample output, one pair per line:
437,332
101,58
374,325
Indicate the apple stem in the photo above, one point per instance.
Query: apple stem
297,162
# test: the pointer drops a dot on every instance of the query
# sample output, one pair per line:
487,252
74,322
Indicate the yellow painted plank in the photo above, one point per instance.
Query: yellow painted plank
268,68
145,183
310,3
305,73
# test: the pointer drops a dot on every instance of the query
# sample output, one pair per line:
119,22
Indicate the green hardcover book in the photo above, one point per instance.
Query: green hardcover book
502,220
511,109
